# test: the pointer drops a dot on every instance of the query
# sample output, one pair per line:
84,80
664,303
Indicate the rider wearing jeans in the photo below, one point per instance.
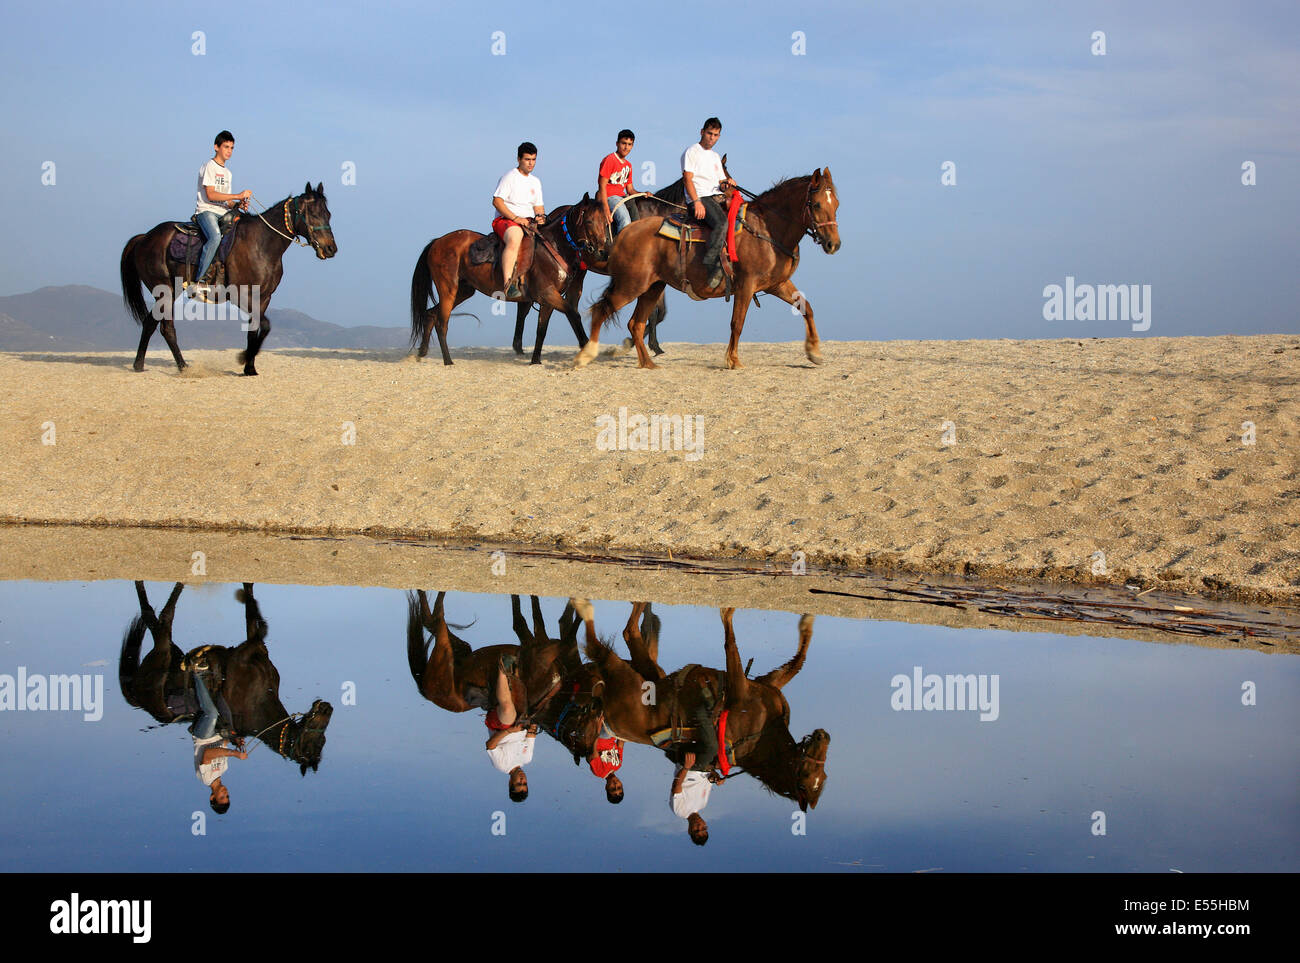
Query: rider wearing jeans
214,199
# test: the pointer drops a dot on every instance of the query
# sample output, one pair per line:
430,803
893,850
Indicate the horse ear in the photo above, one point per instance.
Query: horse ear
826,173
320,188
586,195
307,188
816,179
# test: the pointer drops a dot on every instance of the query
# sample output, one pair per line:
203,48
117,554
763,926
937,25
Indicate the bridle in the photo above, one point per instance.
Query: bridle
291,213
585,246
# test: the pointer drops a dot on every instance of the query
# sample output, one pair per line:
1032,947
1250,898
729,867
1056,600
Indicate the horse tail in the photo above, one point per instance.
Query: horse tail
132,283
417,649
604,304
128,660
421,292
599,650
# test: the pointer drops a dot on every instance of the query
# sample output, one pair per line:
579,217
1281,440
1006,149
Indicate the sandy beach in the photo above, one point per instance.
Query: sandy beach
1164,462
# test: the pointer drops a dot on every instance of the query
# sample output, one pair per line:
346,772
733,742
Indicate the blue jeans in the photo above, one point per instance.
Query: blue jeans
206,724
212,235
621,216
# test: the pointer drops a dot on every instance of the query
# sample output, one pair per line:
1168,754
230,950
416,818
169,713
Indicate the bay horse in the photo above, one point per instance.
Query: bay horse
254,265
457,677
243,676
553,279
758,715
661,203
642,263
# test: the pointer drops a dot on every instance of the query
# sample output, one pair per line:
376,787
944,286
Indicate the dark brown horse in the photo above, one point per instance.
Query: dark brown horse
642,263
253,268
758,716
553,279
243,676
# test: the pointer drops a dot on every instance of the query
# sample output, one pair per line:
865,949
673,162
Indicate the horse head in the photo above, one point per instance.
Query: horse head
578,726
810,777
310,217
823,203
309,743
594,236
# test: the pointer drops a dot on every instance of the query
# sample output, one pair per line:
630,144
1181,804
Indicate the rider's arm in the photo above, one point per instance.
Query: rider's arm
504,211
216,197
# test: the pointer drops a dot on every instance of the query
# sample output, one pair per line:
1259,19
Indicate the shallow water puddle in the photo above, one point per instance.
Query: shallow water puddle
952,749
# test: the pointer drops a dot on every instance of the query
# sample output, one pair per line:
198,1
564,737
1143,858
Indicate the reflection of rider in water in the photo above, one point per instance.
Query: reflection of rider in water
606,759
210,754
510,747
690,794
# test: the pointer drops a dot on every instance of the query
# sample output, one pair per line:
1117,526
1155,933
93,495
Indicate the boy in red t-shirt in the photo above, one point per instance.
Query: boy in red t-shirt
614,183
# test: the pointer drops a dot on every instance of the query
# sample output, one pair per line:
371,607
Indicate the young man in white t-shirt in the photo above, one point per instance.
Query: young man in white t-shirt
702,176
690,794
214,199
510,747
517,198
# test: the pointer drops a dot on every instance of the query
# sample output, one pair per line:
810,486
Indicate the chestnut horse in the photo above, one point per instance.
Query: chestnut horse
254,265
767,249
758,715
454,676
560,248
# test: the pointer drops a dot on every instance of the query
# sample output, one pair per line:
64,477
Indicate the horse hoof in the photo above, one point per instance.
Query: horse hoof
815,357
535,361
249,373
137,367
585,356
583,608
647,364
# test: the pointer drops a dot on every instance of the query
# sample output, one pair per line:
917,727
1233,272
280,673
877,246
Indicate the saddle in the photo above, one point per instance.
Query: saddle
685,232
187,242
487,250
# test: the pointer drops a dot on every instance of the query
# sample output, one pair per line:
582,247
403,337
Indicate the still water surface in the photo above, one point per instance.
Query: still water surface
1150,742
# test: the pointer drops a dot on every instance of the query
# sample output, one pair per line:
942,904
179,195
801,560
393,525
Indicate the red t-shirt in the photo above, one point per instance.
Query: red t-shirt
619,173
608,757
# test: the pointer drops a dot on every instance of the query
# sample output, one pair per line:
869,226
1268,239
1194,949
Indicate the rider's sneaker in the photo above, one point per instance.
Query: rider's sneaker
513,292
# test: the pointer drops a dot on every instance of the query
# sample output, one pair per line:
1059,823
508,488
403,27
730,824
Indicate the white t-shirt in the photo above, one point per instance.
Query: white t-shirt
516,749
208,773
521,192
705,166
219,179
694,795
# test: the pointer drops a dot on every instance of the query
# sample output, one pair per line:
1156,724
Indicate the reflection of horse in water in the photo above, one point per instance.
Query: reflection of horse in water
243,676
757,715
454,676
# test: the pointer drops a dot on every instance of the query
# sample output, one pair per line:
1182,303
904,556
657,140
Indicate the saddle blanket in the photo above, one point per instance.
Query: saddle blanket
696,231
185,247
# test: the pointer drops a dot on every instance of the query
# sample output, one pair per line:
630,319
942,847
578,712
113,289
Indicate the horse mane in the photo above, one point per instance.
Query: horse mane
674,193
781,184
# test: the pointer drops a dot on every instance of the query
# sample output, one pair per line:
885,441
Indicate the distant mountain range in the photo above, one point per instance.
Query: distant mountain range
74,317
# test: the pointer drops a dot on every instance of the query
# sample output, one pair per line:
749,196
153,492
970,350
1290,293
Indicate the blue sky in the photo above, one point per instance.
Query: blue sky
1115,169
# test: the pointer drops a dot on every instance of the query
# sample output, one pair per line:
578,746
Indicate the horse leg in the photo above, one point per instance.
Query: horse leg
259,328
543,320
787,292
656,317
520,317
644,305
164,622
517,620
737,684
147,329
254,624
613,300
640,656
446,304
439,677
743,291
